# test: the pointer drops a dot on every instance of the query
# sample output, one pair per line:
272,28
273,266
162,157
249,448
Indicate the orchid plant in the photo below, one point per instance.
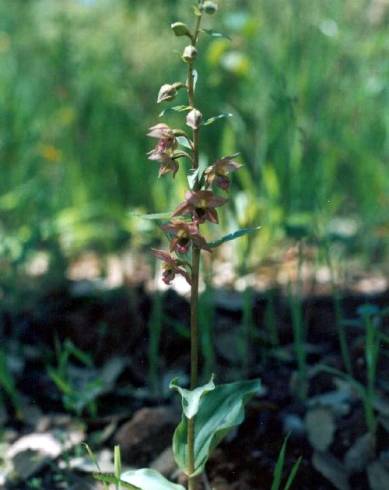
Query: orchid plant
209,411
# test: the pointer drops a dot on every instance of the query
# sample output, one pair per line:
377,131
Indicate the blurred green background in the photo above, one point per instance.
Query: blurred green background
306,81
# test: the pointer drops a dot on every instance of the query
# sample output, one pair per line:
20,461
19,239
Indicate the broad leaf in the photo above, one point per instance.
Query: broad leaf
191,398
110,478
147,479
218,412
212,33
233,236
211,120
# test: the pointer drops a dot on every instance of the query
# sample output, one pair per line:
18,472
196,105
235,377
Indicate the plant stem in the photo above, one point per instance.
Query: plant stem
337,299
192,482
194,300
194,297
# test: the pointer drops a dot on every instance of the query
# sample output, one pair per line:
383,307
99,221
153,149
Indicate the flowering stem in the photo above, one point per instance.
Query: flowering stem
194,298
194,356
194,317
200,203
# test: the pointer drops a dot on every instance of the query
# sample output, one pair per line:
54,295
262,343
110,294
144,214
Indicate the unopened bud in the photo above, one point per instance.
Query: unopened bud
189,54
166,92
193,119
209,7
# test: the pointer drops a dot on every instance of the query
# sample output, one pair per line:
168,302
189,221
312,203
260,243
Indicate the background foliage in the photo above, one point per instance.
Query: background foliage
305,80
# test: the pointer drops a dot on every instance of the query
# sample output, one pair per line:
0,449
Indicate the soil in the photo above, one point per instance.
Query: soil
114,324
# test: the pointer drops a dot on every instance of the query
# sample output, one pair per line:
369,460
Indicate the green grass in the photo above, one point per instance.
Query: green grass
306,82
279,469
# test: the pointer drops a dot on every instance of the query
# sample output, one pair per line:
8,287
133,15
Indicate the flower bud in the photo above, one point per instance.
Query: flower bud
193,119
181,29
166,92
209,7
189,54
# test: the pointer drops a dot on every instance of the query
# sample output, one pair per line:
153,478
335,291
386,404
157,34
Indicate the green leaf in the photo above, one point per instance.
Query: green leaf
147,479
218,411
195,176
80,355
276,485
197,11
153,216
176,108
359,388
293,474
181,154
213,33
62,384
183,141
181,29
279,466
110,478
195,74
211,120
233,236
7,382
191,398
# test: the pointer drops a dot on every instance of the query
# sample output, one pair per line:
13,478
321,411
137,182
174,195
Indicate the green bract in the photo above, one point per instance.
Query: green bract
217,411
233,236
211,120
176,108
191,398
213,33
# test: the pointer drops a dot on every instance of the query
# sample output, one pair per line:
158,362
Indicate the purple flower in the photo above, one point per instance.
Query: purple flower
201,204
165,148
218,173
171,267
166,163
160,131
183,234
